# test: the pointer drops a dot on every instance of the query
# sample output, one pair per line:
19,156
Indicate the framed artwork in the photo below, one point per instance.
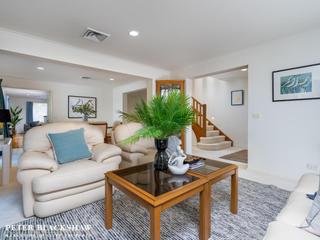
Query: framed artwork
237,98
74,101
299,83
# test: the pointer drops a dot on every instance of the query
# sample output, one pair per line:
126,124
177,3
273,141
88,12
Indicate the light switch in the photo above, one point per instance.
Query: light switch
256,115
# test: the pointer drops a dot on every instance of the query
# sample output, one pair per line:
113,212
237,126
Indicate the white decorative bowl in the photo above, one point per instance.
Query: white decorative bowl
179,170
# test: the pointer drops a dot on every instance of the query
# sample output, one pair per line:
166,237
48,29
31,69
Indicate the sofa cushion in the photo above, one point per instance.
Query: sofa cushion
74,174
67,192
69,146
296,210
308,183
124,131
37,160
36,139
103,151
281,231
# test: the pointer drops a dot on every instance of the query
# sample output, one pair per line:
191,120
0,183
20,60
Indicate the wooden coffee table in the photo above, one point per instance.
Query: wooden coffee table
215,171
158,190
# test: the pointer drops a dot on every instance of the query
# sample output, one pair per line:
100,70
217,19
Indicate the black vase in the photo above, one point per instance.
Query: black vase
161,158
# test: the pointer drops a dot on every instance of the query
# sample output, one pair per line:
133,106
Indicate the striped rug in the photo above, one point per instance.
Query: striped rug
258,205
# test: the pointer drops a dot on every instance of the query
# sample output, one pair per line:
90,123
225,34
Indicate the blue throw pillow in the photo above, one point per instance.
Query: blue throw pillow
313,219
69,146
312,196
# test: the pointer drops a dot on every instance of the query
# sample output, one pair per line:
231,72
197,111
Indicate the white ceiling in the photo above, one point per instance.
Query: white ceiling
231,75
25,67
173,33
25,93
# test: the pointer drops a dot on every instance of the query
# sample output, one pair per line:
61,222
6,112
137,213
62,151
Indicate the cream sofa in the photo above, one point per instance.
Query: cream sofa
293,215
49,188
132,154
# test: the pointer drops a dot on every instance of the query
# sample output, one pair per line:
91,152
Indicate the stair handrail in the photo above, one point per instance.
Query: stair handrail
202,121
200,118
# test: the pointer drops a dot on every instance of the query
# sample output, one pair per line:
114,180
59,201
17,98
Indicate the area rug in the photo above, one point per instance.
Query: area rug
258,205
241,156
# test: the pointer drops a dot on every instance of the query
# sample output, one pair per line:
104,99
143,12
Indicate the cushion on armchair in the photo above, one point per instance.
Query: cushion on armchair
104,151
69,146
134,148
37,160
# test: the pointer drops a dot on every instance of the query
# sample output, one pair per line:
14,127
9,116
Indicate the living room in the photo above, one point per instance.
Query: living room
119,48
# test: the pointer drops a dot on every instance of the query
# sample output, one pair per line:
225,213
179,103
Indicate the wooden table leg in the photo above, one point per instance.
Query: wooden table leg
205,213
155,214
234,193
108,205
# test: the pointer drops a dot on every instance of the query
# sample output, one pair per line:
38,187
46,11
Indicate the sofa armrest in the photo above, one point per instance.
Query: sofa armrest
133,148
37,160
103,151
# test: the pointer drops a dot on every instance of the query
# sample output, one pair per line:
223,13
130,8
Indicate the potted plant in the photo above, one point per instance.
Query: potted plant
85,109
162,117
15,118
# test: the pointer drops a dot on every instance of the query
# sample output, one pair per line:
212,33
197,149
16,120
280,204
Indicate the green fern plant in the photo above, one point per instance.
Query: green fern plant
15,118
85,109
161,118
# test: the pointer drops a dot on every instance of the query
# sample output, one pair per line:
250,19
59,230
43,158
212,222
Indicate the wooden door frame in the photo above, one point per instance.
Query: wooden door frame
177,82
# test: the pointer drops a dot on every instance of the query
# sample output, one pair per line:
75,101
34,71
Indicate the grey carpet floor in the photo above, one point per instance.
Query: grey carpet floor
258,205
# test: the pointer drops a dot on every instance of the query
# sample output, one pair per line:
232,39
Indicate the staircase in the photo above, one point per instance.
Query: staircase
209,136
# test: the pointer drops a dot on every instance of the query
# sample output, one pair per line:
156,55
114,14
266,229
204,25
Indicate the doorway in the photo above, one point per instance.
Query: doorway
224,96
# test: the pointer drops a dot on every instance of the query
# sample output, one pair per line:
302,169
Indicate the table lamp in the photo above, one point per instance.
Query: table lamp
5,117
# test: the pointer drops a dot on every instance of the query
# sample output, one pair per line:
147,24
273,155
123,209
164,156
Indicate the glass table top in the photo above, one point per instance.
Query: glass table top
153,181
206,166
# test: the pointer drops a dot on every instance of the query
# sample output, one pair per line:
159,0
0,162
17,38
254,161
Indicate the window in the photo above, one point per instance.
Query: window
40,112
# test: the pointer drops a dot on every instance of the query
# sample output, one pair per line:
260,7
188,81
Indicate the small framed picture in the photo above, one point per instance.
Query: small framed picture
237,98
299,83
75,101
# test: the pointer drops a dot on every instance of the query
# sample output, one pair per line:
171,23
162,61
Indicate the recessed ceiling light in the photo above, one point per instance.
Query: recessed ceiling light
134,33
40,68
111,79
85,77
244,69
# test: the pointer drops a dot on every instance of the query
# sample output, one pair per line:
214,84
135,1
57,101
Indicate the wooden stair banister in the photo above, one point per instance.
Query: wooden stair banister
201,121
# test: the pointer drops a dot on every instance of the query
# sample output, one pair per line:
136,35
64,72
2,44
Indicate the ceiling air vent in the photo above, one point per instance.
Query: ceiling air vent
94,35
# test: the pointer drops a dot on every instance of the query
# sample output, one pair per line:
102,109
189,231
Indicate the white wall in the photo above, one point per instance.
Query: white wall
131,99
58,102
21,102
118,92
232,120
284,136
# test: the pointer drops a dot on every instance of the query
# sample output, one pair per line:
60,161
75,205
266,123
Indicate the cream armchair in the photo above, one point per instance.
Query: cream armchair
132,154
49,188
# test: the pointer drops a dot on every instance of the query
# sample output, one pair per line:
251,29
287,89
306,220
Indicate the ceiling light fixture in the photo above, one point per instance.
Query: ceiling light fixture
40,68
111,79
134,33
244,69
